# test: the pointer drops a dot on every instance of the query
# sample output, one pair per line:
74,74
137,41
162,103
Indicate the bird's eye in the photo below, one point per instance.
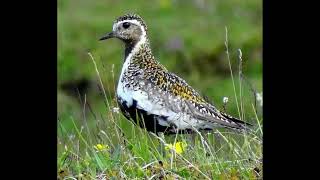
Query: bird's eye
126,25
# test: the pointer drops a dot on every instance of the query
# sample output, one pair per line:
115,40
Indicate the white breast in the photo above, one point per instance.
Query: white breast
123,92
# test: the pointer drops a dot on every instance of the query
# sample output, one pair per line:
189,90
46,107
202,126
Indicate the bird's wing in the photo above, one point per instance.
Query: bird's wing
152,99
166,94
201,108
207,112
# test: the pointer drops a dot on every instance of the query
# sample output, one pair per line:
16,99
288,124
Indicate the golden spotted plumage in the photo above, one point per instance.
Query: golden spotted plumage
162,78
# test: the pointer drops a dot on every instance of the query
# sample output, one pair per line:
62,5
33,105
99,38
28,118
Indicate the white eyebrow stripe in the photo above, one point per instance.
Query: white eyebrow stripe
133,21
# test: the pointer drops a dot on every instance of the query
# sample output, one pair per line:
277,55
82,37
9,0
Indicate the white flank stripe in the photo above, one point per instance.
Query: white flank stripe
123,92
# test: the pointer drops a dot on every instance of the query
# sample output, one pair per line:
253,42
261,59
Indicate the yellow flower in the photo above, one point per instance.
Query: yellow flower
101,147
179,147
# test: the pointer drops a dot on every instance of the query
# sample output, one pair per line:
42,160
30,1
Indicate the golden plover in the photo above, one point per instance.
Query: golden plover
148,91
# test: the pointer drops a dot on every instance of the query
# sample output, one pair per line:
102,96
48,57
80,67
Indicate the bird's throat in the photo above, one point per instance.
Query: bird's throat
133,47
128,49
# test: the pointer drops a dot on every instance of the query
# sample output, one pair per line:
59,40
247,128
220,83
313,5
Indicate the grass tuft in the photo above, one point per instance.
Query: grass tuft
113,147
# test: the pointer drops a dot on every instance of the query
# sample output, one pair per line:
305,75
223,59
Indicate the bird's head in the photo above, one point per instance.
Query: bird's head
129,28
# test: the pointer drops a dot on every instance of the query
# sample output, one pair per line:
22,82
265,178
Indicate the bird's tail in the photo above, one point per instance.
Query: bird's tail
241,125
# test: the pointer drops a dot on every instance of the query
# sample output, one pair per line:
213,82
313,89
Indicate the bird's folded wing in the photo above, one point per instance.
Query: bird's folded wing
152,102
206,113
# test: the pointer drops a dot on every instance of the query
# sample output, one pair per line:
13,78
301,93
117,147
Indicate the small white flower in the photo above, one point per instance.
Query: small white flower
259,98
71,136
115,110
225,100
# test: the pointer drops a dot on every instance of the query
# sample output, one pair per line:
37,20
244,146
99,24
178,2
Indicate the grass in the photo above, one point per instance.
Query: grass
116,149
96,141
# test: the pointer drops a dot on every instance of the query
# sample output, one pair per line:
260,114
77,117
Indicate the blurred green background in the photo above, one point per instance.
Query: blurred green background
187,36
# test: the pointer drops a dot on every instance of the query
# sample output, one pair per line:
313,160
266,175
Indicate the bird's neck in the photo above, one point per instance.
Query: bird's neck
128,49
138,51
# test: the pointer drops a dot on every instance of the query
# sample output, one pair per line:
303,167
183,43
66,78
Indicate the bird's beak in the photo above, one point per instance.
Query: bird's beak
107,36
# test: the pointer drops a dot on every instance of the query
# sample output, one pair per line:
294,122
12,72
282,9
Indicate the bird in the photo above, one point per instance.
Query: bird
153,97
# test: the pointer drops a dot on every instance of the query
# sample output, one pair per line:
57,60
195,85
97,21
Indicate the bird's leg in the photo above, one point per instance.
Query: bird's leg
193,139
162,145
217,139
124,139
205,135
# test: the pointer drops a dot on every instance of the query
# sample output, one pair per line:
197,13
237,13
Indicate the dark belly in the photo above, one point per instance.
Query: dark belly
140,117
